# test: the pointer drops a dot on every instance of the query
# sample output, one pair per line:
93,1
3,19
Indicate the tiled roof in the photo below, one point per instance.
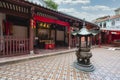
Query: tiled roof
38,2
58,12
108,18
116,16
117,9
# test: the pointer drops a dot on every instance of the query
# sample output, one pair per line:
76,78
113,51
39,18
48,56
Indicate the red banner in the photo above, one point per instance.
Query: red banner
49,20
43,19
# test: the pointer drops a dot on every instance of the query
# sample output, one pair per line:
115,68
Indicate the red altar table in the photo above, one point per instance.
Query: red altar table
50,46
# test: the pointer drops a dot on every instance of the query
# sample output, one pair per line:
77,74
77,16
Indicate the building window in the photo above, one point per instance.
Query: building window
113,23
100,25
104,25
117,19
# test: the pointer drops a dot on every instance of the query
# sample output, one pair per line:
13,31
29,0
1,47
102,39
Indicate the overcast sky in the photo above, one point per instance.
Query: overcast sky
88,9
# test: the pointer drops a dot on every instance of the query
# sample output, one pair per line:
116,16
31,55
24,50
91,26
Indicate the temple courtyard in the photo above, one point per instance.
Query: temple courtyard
60,67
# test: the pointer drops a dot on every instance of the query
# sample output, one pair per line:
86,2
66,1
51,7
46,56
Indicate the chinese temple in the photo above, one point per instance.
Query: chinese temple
25,26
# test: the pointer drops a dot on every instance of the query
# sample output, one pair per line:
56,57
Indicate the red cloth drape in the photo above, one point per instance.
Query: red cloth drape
49,20
8,28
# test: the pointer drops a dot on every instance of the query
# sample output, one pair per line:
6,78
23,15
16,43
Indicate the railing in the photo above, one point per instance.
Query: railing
10,46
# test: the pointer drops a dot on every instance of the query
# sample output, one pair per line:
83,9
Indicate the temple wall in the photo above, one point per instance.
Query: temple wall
2,17
20,31
60,35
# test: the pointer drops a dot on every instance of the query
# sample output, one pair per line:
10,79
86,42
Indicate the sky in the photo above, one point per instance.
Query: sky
88,9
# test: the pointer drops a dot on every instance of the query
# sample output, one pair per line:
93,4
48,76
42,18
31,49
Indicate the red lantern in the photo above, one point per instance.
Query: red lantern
33,23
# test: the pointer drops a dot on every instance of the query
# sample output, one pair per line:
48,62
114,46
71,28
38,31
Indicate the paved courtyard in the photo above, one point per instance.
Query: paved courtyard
60,67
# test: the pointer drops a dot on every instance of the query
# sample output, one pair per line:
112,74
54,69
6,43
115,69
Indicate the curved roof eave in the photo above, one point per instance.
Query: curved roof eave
61,14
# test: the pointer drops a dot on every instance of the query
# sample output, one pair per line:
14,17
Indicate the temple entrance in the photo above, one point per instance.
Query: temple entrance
50,33
50,36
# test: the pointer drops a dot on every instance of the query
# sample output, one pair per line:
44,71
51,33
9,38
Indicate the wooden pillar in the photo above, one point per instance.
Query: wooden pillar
55,35
31,38
109,37
31,33
64,35
49,33
69,38
99,40
106,35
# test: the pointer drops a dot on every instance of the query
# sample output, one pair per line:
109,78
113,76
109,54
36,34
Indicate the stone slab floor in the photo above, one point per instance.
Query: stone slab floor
60,67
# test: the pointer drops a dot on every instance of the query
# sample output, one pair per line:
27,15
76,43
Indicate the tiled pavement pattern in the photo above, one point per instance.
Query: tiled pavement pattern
59,67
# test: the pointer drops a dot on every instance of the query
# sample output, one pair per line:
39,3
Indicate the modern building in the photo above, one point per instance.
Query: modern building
25,26
110,27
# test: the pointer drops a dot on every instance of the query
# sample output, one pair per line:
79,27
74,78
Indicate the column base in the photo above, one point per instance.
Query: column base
32,52
69,47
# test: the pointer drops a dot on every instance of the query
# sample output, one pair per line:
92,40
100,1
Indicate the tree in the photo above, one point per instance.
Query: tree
51,4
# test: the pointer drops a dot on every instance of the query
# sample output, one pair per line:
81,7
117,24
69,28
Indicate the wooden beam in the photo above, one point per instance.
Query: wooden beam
11,12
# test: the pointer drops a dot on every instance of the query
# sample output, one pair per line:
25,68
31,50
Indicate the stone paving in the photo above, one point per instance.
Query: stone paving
60,67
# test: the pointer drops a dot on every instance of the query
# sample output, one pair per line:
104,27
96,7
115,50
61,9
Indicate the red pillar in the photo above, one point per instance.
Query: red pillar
31,38
69,37
109,37
75,42
99,40
31,32
106,39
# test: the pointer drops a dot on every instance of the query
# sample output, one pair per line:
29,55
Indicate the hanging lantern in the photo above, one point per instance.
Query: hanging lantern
34,24
41,24
48,25
44,25
31,23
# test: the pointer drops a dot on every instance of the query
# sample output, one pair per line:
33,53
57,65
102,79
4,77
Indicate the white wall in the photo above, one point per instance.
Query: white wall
109,25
